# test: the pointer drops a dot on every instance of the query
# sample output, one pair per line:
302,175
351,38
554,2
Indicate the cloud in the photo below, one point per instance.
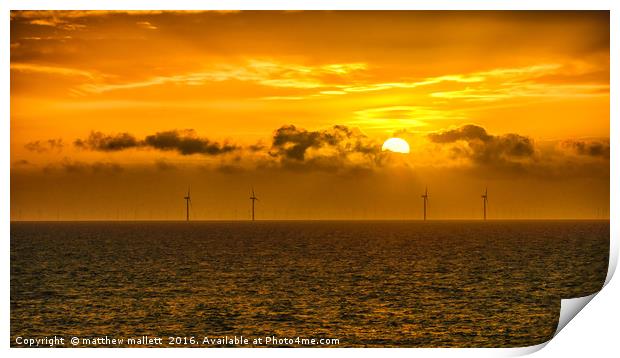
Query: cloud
515,90
531,81
185,142
55,22
335,149
78,14
465,78
74,166
39,38
476,144
345,149
592,148
327,79
472,149
164,165
146,25
282,98
45,146
71,20
264,72
52,70
339,147
107,143
292,143
338,79
21,162
467,132
257,147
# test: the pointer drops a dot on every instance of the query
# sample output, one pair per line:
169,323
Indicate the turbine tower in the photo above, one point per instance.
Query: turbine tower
253,198
485,200
188,201
425,197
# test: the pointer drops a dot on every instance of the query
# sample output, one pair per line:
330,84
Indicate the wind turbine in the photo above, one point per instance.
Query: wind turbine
253,198
425,197
188,201
485,200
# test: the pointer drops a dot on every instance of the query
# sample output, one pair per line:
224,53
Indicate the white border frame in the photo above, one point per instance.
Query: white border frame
597,325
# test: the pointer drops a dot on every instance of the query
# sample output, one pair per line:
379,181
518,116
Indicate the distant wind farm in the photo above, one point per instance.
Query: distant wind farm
254,199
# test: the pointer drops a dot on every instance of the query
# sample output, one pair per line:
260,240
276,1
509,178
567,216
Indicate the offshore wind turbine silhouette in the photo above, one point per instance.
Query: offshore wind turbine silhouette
485,200
188,202
253,198
425,197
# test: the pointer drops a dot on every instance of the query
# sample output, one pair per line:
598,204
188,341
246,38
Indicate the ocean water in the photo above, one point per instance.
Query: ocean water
366,283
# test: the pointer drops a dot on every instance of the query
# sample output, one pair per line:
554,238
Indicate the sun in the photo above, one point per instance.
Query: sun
397,145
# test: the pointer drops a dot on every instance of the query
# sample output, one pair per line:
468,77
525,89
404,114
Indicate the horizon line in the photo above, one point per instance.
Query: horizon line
312,220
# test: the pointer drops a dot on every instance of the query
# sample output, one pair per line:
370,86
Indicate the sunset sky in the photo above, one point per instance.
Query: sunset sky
114,114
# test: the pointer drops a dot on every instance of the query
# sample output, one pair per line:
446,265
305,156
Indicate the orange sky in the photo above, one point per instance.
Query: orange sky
141,104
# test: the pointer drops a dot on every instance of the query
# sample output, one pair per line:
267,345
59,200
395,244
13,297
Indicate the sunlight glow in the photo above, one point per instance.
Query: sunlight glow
396,145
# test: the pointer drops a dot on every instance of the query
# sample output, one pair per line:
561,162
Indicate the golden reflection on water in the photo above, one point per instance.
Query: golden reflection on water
407,284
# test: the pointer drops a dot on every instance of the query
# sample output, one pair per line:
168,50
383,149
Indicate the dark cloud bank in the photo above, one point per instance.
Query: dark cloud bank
333,148
486,149
45,146
291,147
514,154
341,148
185,142
596,148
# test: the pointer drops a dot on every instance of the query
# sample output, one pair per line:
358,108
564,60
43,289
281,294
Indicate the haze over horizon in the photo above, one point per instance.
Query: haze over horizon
114,114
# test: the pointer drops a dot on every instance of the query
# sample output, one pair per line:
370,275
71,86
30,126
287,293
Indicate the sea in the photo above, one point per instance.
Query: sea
341,283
